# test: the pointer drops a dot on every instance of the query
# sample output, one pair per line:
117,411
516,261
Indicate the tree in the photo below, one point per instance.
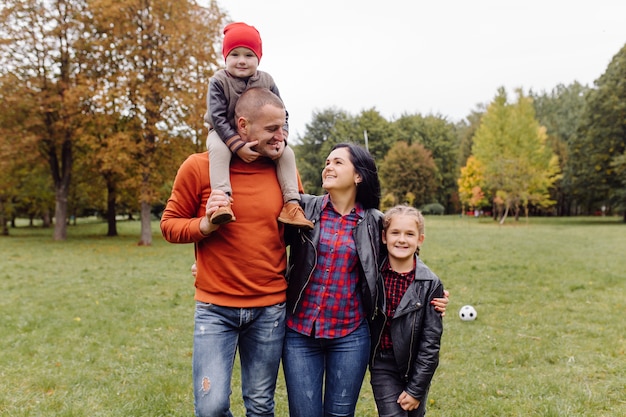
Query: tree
158,56
439,136
409,169
465,131
471,184
619,164
519,167
560,112
601,139
380,134
38,51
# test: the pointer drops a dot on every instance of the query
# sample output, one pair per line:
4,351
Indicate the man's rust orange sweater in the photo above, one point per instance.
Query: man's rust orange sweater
242,264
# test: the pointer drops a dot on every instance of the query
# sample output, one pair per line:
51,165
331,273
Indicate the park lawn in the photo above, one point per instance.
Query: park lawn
98,326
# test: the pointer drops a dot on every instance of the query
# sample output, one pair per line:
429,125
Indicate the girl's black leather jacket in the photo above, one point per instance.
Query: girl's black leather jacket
416,330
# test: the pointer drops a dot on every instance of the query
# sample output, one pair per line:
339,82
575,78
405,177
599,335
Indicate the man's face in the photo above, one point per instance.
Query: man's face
267,128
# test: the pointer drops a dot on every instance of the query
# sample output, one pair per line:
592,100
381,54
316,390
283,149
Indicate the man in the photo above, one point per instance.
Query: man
240,284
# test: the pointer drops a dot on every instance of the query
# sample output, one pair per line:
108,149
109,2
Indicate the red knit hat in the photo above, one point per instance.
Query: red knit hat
239,34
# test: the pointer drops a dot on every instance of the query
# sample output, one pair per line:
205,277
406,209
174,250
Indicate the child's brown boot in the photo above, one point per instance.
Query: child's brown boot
293,214
223,215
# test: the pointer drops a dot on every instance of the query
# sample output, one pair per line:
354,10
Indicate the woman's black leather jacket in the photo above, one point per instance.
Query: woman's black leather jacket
303,253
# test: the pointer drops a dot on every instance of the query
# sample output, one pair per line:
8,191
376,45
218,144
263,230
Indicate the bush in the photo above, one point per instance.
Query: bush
433,208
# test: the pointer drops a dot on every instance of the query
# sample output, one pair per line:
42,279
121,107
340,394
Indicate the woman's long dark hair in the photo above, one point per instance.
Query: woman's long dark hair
368,190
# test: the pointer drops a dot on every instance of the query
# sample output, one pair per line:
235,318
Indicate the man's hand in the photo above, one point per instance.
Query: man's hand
441,303
247,154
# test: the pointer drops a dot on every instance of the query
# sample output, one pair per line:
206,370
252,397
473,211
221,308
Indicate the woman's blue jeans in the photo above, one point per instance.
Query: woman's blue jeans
336,366
258,333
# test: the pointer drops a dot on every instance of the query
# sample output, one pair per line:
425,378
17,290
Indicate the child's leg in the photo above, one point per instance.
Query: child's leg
287,175
387,385
219,163
219,175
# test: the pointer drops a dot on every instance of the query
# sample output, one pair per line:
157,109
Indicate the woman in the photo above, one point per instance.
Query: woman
331,291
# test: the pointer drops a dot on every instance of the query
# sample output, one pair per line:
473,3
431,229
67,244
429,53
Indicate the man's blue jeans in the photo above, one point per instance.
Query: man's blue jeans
336,366
258,333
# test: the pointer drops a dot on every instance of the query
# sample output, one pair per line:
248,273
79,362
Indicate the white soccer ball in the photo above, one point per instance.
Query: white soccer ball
467,313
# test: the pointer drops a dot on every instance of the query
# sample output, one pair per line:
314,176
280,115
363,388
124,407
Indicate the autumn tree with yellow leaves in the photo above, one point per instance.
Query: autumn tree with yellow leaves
519,166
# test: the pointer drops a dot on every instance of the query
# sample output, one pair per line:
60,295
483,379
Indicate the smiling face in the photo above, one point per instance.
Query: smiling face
339,172
402,237
241,62
265,126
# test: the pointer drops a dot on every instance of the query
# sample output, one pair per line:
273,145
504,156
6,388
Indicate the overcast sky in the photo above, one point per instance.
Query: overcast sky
426,56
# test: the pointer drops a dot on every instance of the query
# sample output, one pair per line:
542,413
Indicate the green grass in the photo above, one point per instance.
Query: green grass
98,326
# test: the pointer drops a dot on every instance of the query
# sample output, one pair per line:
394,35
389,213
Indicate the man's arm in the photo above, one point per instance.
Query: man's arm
180,222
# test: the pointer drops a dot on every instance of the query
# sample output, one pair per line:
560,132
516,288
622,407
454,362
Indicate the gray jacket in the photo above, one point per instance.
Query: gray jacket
223,92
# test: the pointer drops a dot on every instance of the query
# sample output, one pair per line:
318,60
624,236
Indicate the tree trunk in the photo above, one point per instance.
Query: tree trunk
111,209
506,212
62,174
3,219
60,211
47,222
146,228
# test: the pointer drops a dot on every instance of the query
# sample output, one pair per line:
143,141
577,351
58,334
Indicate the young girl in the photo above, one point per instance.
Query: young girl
406,331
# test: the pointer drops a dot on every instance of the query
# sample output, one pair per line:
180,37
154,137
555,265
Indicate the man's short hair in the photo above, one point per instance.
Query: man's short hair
253,100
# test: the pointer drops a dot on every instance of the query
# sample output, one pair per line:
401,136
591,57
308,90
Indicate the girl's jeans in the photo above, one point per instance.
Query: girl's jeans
387,385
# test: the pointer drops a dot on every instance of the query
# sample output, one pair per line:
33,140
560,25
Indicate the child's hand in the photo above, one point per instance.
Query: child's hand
441,303
407,402
247,154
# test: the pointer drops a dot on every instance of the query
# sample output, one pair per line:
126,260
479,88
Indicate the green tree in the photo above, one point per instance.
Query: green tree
409,169
601,140
439,136
465,131
370,125
619,164
560,111
519,167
